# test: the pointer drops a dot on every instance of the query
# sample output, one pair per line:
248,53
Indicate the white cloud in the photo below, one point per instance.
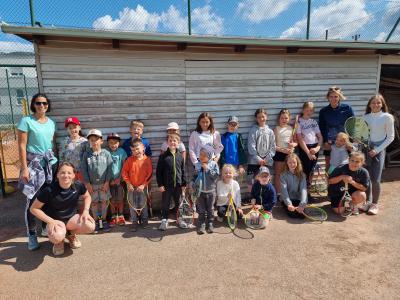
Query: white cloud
204,21
257,11
392,11
328,16
8,47
138,19
381,37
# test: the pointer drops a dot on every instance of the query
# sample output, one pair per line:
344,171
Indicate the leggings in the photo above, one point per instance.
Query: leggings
308,165
176,193
375,169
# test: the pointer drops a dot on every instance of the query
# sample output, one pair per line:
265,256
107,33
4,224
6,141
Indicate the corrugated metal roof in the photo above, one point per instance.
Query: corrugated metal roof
30,32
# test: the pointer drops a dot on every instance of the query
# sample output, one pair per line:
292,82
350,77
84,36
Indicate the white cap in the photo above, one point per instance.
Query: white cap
173,125
95,132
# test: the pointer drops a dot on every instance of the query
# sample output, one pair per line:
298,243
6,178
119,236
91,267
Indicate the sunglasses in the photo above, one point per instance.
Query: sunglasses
232,124
38,103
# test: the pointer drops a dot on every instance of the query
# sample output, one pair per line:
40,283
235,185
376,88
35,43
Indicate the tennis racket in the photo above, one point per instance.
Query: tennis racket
318,182
255,219
196,189
231,214
149,200
185,212
315,213
137,201
294,130
346,203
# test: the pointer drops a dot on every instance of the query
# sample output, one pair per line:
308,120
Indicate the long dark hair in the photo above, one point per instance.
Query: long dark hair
35,97
208,116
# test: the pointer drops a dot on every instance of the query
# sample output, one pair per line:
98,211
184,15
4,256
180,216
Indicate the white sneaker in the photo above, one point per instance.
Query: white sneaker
163,225
373,209
171,204
355,211
44,232
58,249
220,219
365,207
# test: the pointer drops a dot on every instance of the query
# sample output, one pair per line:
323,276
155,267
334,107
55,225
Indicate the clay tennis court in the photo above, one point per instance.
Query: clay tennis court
357,258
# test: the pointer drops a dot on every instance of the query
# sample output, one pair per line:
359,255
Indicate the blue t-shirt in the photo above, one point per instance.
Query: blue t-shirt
40,135
118,157
230,142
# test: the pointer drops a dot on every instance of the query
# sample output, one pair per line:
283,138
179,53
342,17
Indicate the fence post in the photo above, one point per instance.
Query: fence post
393,29
32,11
11,106
308,19
189,18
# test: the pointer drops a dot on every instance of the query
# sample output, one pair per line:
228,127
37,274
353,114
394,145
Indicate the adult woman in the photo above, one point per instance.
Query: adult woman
332,118
355,176
38,163
61,199
381,125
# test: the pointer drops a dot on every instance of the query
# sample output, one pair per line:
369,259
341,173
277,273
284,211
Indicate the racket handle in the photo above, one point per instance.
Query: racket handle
101,223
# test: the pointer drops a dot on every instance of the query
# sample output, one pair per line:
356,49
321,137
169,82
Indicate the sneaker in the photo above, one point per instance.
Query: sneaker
210,228
113,221
220,219
355,211
33,243
121,221
44,232
74,243
106,226
365,207
163,225
58,249
97,228
134,227
182,224
373,209
201,229
145,224
171,204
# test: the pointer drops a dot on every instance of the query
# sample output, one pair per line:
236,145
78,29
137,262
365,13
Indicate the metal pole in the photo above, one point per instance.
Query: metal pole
393,29
32,13
189,18
326,34
308,19
11,107
26,108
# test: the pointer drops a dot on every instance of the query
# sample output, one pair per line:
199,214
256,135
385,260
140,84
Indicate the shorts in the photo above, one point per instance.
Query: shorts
280,156
117,193
335,201
98,195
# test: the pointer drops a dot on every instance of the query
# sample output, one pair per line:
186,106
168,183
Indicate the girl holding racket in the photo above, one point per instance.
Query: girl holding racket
205,134
293,186
260,145
381,125
285,145
332,118
310,139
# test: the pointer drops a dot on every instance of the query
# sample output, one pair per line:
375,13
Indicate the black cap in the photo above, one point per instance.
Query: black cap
113,136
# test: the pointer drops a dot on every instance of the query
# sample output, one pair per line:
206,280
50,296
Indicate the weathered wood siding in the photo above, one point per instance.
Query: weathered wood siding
106,88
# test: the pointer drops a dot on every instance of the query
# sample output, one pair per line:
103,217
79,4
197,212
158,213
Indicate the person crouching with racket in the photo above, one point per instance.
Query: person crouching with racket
208,172
136,172
293,187
96,169
227,187
263,191
170,175
355,177
61,200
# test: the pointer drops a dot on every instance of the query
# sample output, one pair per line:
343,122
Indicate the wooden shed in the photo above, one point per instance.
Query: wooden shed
109,78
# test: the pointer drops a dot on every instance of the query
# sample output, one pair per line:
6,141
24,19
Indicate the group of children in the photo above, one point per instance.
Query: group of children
121,169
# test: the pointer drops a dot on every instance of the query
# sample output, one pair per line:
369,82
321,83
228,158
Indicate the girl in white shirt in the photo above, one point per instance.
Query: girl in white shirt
226,186
205,134
381,125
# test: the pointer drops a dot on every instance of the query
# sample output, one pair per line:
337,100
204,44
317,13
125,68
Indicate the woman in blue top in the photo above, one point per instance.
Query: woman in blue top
38,163
332,118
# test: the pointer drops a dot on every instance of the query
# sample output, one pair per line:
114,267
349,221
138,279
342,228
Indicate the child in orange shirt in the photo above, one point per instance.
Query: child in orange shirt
137,172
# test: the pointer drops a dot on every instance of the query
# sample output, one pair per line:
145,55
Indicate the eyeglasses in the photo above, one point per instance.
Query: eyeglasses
38,103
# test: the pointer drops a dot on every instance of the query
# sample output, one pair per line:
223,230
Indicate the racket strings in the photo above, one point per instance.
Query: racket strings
315,213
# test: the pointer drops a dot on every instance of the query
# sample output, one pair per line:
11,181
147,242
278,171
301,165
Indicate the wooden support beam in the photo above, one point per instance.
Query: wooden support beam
292,49
386,52
339,50
181,46
39,39
115,44
239,48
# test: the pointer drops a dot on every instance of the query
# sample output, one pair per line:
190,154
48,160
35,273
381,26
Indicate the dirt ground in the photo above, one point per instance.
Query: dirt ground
356,258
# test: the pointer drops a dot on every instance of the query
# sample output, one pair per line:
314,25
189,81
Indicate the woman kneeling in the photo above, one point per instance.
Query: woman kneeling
357,179
60,213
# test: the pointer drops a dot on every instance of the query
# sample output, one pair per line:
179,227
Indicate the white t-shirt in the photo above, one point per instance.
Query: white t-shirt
283,136
223,189
308,129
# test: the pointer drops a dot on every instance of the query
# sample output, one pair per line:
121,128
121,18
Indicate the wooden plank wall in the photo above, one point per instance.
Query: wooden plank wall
107,88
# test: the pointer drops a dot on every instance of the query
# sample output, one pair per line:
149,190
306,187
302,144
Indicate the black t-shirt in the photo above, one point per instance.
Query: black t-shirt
61,204
360,176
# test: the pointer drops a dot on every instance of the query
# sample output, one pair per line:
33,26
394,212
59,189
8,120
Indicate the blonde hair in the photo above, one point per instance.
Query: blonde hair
298,171
335,90
345,137
308,104
228,166
137,123
358,154
174,135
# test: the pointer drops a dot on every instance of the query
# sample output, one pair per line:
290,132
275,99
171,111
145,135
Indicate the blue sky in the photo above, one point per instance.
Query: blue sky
257,18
